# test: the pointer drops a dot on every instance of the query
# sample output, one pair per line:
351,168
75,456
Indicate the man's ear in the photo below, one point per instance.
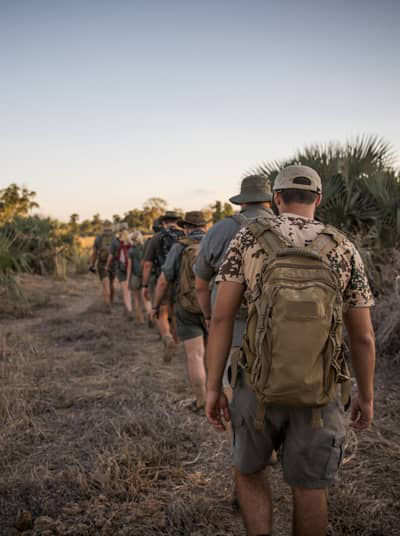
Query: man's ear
318,201
277,199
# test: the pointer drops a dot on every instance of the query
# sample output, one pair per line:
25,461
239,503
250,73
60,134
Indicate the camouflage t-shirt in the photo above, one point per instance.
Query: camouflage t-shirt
245,259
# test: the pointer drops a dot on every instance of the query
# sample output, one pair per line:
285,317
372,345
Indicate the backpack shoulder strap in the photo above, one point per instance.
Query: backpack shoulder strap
187,241
240,219
270,239
328,239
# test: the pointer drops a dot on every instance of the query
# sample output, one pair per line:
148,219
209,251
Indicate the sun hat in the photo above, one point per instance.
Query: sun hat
169,215
195,218
254,189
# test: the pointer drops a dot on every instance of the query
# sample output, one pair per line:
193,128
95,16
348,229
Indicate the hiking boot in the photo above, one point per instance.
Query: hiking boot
169,348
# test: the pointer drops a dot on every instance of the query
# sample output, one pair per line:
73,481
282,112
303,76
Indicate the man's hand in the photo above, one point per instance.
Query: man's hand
217,407
362,414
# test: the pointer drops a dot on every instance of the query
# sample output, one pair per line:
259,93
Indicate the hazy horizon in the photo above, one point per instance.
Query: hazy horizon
108,104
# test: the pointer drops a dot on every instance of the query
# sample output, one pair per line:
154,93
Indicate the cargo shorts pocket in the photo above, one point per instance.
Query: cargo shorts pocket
237,422
336,457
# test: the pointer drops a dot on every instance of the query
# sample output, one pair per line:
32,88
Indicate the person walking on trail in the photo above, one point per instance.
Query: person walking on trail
98,260
302,279
254,200
118,255
191,326
147,295
134,273
156,254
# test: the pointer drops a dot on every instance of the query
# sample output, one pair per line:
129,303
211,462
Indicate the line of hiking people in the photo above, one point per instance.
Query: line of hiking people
260,301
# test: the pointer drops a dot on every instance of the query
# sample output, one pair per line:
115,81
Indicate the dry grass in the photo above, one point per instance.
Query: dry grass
94,439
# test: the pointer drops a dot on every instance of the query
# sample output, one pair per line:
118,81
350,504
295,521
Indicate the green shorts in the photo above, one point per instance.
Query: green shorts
311,456
121,276
189,325
103,273
135,283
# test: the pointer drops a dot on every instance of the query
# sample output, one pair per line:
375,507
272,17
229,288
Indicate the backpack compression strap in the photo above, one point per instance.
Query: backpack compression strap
269,239
327,240
240,219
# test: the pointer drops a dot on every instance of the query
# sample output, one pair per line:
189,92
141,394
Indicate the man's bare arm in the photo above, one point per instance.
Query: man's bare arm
362,348
93,258
146,273
161,289
229,298
204,296
129,270
109,261
147,267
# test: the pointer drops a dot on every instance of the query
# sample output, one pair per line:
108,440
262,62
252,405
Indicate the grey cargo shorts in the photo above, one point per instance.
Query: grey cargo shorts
311,456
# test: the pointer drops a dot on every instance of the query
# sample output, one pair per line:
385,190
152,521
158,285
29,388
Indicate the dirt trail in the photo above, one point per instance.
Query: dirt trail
98,441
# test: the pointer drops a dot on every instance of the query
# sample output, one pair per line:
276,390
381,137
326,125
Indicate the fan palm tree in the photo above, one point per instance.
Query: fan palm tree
361,189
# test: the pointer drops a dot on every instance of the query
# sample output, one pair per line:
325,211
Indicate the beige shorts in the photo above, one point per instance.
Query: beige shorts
311,456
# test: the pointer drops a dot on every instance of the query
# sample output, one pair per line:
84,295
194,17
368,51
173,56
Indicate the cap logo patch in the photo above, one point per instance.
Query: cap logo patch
302,180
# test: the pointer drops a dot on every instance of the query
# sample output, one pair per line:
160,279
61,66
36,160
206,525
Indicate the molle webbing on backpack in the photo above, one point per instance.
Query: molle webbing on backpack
186,291
105,244
240,219
292,350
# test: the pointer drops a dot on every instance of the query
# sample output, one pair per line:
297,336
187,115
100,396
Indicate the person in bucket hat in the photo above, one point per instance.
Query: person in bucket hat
254,189
254,200
190,323
98,263
154,258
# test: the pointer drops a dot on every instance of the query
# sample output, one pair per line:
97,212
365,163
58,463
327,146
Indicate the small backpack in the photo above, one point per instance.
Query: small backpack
293,347
122,255
186,291
169,237
105,244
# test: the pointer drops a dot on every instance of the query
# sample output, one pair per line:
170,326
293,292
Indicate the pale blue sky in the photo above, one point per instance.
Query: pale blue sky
107,103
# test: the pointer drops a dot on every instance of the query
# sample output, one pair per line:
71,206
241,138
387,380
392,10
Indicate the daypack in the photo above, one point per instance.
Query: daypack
122,255
292,350
137,257
169,237
186,291
105,244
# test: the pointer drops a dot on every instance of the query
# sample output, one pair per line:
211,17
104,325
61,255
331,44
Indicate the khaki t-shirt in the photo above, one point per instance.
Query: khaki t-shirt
245,259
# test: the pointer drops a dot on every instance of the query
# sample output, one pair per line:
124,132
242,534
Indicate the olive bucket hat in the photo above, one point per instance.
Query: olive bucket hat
195,218
170,215
298,178
254,189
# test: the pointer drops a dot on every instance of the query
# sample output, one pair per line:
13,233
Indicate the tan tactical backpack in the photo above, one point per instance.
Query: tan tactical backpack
293,346
186,291
105,244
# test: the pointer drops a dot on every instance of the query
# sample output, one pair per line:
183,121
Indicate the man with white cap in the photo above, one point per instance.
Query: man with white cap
269,260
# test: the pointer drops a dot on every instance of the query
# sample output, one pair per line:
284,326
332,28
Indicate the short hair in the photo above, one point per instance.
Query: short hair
294,195
137,237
